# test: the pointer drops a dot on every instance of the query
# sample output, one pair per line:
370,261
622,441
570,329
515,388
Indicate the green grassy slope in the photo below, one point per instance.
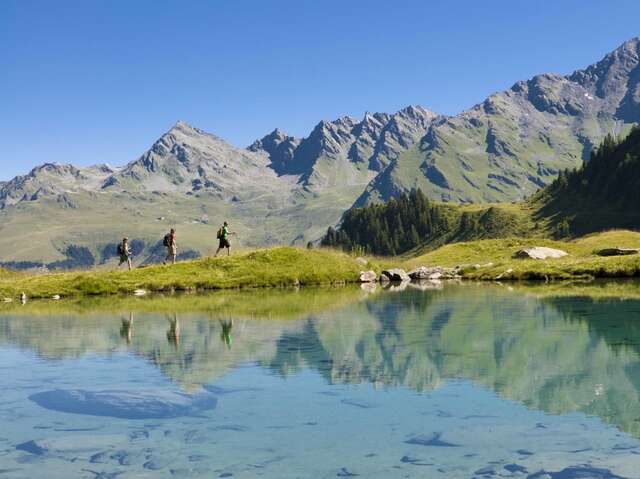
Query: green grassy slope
495,258
41,230
262,268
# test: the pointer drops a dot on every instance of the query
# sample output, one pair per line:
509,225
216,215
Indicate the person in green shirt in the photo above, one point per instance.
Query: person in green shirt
223,236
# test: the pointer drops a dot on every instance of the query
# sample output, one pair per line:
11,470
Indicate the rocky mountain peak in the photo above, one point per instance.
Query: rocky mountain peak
280,147
615,79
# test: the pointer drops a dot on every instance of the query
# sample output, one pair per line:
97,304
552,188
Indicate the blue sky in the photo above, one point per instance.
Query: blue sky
94,81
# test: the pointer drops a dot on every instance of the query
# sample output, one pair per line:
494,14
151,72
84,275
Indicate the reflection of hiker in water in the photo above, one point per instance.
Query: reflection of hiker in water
225,334
173,333
126,330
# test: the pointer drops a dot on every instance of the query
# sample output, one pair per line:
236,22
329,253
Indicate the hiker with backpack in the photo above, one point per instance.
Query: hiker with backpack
124,252
223,235
169,242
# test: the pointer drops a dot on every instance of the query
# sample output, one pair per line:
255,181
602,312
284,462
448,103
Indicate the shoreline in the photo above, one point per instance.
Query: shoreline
284,267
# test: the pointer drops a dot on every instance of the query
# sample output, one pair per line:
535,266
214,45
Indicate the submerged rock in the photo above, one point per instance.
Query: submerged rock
394,274
431,440
145,404
32,447
539,252
577,472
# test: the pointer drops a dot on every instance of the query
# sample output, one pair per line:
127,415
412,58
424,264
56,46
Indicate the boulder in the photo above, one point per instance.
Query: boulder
505,275
436,272
394,274
368,277
617,251
539,252
125,404
480,266
361,261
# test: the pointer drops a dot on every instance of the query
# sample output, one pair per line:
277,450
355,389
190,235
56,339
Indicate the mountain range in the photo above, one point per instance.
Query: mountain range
283,189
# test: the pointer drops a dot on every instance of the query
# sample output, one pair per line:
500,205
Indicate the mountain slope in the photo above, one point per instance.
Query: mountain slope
283,189
345,152
186,160
603,194
516,141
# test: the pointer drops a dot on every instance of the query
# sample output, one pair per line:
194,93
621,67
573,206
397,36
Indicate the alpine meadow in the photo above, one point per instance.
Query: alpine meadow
283,190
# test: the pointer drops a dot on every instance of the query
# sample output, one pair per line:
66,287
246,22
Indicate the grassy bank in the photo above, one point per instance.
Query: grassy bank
278,267
495,258
262,268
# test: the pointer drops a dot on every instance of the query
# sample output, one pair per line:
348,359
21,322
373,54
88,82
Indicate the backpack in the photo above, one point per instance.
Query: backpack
120,249
166,240
220,233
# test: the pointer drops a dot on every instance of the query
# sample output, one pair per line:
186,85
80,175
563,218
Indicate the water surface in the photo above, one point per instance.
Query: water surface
462,381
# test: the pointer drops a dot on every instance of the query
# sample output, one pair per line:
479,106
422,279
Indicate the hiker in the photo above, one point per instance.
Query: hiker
124,252
223,236
173,333
169,242
225,334
126,330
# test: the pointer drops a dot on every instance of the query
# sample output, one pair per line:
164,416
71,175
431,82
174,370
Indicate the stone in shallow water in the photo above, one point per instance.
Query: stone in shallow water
415,461
577,472
145,404
31,447
431,440
515,468
220,390
344,472
524,452
358,404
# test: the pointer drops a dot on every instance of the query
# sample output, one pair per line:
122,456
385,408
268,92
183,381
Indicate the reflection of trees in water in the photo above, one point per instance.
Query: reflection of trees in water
557,355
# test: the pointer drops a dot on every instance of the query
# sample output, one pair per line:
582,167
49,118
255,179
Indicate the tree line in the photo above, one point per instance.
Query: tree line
392,228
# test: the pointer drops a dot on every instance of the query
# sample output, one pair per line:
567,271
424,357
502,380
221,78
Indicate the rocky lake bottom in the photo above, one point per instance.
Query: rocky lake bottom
463,381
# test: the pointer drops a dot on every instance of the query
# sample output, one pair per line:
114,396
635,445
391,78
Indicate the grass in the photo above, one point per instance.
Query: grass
288,266
285,266
495,258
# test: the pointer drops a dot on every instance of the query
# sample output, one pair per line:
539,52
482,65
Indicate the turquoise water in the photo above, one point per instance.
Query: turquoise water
460,382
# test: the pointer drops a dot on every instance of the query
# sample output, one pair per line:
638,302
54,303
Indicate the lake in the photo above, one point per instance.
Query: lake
428,381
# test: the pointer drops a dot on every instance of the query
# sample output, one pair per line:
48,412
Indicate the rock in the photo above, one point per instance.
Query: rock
55,296
394,274
617,251
32,447
7,300
539,252
360,260
480,266
506,273
136,404
139,292
433,440
434,273
368,276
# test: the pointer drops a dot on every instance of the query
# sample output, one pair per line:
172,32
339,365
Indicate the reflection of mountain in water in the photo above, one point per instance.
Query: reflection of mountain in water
556,354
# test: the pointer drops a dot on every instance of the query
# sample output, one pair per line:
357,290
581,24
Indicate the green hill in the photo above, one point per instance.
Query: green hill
602,194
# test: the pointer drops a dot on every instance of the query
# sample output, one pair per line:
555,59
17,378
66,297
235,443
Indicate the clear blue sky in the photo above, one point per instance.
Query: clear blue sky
89,81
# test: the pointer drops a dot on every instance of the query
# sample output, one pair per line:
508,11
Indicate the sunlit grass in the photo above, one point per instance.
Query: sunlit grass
273,267
495,258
